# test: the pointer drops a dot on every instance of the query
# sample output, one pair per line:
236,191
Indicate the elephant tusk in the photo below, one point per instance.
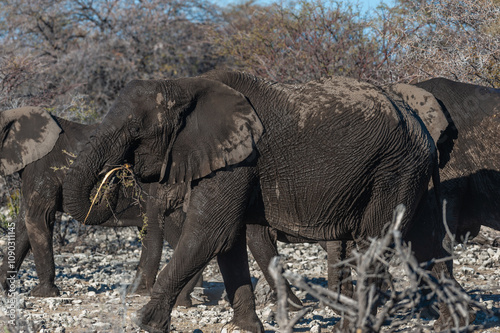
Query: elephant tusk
126,166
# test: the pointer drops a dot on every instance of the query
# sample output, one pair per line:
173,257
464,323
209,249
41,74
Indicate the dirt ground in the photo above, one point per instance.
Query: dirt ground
95,265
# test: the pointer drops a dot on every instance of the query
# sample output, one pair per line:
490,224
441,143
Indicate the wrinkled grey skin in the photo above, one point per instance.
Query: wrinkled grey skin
47,144
330,160
172,220
434,118
39,146
471,175
469,158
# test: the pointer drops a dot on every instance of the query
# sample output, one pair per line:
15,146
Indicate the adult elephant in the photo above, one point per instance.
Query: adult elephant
471,176
330,159
40,147
262,240
469,158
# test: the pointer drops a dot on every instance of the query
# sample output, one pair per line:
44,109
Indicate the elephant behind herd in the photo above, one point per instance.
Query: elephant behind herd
262,132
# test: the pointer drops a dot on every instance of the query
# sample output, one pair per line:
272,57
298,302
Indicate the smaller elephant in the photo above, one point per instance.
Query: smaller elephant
40,147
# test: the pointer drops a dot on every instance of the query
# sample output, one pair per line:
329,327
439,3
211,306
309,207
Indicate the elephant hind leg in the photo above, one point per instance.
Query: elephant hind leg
263,246
339,275
445,320
236,273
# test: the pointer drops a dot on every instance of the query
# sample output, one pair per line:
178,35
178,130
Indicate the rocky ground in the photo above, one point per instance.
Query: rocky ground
95,265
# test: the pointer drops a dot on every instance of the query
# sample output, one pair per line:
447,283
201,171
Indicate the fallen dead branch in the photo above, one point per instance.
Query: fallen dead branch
373,306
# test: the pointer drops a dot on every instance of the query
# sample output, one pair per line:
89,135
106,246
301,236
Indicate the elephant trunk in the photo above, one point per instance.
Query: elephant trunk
83,178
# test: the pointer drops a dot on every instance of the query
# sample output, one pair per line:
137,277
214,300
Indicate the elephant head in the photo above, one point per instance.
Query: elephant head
27,134
434,116
170,131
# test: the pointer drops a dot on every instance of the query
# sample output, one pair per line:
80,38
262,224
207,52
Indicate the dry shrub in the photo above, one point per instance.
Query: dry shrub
459,40
396,308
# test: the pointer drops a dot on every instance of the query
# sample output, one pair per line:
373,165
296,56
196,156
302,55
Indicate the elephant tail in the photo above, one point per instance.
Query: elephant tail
436,182
449,239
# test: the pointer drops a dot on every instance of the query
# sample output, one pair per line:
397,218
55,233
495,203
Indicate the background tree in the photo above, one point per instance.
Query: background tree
459,40
298,41
55,50
74,56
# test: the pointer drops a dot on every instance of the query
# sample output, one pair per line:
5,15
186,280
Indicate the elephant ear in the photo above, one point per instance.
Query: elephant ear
430,112
27,134
220,128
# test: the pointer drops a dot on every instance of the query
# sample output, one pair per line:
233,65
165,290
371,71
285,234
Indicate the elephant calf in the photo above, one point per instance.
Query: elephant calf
40,146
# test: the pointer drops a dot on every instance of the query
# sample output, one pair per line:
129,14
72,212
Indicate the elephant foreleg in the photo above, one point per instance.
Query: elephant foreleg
214,226
139,284
40,236
12,264
172,233
152,245
149,262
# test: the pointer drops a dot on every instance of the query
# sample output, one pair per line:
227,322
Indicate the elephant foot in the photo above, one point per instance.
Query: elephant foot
45,290
153,318
445,321
293,302
245,321
232,327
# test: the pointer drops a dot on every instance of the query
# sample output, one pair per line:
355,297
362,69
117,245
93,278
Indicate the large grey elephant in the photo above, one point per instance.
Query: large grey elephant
469,159
41,147
330,160
442,131
471,174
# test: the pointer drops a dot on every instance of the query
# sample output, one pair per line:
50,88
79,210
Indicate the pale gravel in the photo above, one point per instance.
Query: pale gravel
93,276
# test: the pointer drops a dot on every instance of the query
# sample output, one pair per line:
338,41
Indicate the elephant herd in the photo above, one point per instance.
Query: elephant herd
228,160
